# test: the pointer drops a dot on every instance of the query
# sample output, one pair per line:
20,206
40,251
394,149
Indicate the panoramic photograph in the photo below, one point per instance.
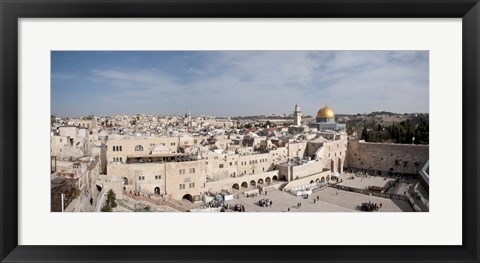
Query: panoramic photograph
239,131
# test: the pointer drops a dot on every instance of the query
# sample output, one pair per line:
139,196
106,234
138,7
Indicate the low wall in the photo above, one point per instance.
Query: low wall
227,183
368,192
306,180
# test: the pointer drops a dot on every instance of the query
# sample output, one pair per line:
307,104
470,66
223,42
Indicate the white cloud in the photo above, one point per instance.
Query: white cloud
245,82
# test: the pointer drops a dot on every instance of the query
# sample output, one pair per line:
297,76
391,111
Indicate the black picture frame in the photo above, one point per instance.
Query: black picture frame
11,11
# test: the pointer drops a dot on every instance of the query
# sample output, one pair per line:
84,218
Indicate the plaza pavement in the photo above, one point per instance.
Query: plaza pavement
364,182
330,200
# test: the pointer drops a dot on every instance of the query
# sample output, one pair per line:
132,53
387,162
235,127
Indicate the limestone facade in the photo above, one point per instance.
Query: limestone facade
398,158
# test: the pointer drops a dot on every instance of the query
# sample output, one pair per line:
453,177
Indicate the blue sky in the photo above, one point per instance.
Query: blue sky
233,83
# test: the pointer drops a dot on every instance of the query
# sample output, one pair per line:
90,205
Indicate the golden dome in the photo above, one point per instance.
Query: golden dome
325,112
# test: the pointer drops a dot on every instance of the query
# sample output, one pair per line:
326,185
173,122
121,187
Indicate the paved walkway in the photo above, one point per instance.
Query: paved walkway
330,200
364,182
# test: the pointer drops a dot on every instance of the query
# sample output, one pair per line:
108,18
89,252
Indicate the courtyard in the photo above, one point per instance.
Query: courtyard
329,200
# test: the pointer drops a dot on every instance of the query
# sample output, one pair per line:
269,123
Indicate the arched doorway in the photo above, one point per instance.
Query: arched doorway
260,181
283,178
235,186
275,178
332,166
156,190
188,197
253,183
268,180
245,185
322,180
339,166
125,180
317,180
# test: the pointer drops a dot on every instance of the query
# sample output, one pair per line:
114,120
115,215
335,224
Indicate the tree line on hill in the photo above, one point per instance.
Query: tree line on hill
404,132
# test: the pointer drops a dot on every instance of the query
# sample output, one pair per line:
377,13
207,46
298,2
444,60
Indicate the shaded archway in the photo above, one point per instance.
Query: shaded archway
260,181
275,178
339,165
253,183
283,178
328,177
125,180
332,166
235,186
268,180
245,185
322,180
317,180
188,197
156,190
311,181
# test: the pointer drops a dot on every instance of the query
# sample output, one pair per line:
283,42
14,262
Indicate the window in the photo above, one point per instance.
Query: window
141,178
182,186
230,163
120,148
120,159
138,148
220,165
191,170
191,185
194,141
114,149
181,171
60,140
158,177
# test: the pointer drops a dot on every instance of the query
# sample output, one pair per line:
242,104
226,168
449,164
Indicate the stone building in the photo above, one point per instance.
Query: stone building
187,166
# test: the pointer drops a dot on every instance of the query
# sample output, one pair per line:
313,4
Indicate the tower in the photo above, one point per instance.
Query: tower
297,116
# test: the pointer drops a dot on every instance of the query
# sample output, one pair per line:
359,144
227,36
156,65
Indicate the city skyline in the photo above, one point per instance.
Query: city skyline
237,83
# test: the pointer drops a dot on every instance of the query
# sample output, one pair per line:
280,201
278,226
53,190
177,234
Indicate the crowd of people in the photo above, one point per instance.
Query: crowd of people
239,208
370,207
265,202
215,203
366,173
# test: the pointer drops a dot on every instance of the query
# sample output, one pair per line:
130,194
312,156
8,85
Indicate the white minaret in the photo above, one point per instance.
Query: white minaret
297,116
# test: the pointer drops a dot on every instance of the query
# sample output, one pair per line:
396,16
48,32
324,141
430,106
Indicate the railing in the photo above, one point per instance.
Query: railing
158,203
368,192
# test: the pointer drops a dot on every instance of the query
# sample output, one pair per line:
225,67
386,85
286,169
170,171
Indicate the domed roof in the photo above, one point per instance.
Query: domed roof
325,112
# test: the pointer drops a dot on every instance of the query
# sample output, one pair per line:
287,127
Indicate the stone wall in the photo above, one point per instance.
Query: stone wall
399,158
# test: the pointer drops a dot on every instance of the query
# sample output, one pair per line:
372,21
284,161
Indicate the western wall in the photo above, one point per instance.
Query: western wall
398,158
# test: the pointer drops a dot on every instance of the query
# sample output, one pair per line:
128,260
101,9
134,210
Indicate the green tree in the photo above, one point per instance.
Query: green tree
110,202
111,198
